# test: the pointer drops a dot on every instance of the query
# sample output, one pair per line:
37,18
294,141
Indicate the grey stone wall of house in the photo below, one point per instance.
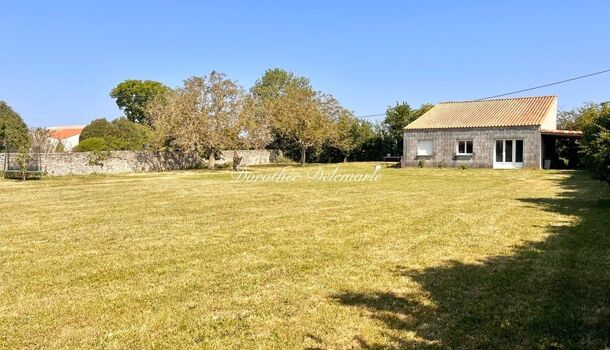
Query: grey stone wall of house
118,162
444,146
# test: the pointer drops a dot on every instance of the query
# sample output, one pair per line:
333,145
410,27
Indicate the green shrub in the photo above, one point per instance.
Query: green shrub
92,144
421,163
463,166
97,128
118,135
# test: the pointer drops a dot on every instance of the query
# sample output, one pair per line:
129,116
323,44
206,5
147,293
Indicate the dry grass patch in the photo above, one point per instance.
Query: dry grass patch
421,258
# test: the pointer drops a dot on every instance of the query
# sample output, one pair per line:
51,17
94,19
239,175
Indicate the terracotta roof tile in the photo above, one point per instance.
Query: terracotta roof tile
523,111
61,134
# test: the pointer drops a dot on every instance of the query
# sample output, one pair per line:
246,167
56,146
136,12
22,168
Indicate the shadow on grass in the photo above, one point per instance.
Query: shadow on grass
553,294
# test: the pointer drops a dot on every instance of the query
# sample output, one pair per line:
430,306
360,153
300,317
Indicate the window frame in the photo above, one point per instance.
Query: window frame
431,148
466,141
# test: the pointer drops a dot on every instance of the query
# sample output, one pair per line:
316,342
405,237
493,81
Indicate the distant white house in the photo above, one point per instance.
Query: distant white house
67,135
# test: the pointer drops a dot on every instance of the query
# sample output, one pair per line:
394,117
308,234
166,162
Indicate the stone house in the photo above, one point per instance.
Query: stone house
502,133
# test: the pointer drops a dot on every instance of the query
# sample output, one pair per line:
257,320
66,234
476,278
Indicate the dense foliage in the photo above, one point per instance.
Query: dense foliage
120,134
396,118
207,115
594,121
133,95
13,131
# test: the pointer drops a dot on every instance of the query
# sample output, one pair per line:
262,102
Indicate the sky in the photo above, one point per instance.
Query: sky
60,59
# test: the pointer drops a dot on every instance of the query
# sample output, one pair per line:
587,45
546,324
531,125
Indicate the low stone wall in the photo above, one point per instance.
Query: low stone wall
118,162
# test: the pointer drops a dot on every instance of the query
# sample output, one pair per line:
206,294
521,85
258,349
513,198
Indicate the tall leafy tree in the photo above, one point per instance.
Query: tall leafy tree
132,96
301,115
97,128
399,116
271,85
595,124
274,83
204,116
351,134
13,130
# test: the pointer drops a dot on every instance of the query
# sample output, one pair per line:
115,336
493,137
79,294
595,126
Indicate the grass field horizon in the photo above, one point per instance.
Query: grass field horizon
421,258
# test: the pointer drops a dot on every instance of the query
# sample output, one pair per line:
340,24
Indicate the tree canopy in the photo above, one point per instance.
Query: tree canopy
120,134
132,96
205,116
399,116
351,133
13,130
594,121
274,83
303,116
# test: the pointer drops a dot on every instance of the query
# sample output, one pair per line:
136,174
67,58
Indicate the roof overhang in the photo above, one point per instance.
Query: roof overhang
562,133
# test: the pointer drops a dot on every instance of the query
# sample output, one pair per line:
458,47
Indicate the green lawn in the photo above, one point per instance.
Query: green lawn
422,258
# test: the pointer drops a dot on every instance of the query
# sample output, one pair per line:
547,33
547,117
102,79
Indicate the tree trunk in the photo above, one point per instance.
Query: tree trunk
211,160
303,149
345,159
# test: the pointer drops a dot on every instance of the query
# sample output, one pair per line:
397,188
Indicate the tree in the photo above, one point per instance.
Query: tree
97,128
566,120
396,118
351,134
40,140
132,96
128,135
255,124
595,123
204,116
399,116
420,111
13,131
299,114
120,134
92,144
274,83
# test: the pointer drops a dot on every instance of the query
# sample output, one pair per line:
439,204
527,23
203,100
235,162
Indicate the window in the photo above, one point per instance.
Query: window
509,151
464,147
424,147
519,151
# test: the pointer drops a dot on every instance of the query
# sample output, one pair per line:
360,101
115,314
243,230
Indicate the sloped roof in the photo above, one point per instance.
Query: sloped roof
62,132
523,111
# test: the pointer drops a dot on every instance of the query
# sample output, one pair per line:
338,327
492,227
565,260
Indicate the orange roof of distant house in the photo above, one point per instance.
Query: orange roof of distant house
62,132
522,111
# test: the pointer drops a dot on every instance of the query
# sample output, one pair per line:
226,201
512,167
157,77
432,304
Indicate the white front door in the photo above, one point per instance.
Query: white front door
508,154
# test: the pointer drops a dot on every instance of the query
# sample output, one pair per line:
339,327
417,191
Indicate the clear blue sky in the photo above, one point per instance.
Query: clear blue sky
59,59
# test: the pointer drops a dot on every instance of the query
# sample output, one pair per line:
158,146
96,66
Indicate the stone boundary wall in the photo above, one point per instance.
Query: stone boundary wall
120,162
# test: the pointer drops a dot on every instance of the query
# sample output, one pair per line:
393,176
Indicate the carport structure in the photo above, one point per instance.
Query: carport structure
560,149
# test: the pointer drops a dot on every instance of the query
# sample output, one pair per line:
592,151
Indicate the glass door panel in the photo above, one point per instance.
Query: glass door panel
499,151
519,151
508,151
